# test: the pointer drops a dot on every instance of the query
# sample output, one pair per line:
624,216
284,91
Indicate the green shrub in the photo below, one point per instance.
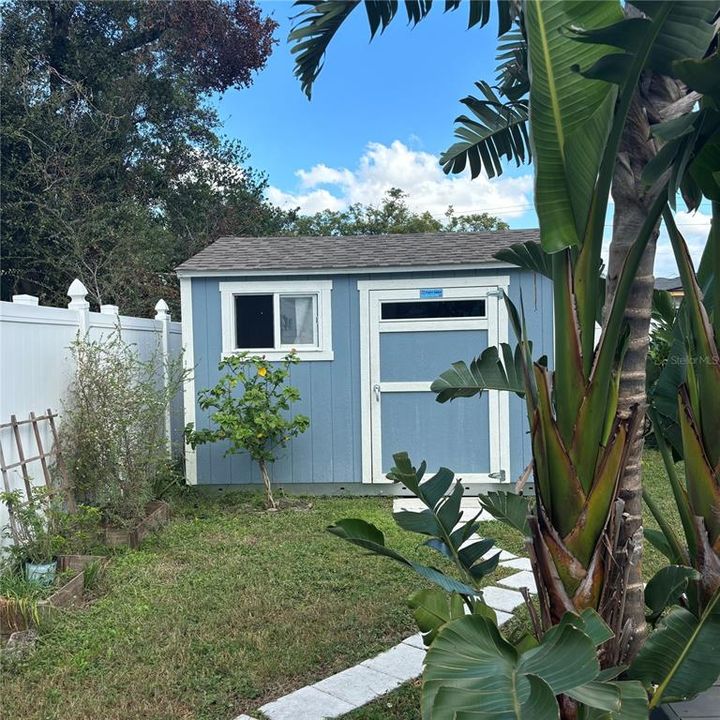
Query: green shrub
31,528
112,434
257,421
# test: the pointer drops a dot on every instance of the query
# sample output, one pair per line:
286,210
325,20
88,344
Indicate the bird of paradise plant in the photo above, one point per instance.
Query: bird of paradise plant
579,439
692,382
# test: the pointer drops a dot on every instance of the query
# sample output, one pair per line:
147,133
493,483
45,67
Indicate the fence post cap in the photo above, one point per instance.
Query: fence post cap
162,311
25,299
77,293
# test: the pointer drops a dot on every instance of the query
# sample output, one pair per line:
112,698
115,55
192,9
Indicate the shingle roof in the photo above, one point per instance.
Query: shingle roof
353,251
673,283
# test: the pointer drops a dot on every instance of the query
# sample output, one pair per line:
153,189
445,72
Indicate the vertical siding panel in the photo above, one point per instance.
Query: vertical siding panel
200,349
322,419
354,446
345,382
302,446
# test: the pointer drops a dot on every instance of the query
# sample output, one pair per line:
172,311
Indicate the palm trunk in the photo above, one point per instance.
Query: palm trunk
629,216
265,475
658,99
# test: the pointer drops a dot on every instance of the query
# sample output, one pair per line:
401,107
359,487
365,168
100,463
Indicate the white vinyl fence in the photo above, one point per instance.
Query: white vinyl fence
36,365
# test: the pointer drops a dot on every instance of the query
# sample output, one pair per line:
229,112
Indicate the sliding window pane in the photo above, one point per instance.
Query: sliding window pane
297,320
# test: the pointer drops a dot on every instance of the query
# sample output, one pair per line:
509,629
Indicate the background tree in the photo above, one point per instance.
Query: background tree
392,215
112,166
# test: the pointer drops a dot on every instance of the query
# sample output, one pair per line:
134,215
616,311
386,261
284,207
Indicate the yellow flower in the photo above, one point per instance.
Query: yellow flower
262,372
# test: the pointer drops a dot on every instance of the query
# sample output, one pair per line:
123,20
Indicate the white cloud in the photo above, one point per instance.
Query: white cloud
694,228
418,173
310,202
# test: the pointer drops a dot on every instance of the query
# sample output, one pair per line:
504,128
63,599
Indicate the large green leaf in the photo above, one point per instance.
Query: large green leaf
528,256
690,143
510,508
430,491
496,130
666,587
319,20
663,393
486,372
368,536
660,542
434,608
633,703
441,520
666,540
570,115
703,486
472,672
671,32
705,170
701,347
316,27
703,75
686,33
681,658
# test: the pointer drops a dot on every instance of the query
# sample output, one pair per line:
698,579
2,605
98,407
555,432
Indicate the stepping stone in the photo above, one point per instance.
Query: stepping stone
521,563
502,598
358,685
505,556
705,706
502,617
404,662
308,703
416,641
518,580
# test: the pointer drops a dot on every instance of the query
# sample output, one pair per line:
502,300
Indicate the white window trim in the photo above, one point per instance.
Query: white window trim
321,289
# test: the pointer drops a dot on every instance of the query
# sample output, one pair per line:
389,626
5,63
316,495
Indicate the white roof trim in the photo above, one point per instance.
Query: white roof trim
488,265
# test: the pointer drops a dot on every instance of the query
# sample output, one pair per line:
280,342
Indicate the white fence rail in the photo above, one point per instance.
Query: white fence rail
36,363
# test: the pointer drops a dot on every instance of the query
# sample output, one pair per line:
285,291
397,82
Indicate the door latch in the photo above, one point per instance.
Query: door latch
376,390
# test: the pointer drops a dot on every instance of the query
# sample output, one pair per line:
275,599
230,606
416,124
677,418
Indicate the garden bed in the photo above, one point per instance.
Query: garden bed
157,515
67,594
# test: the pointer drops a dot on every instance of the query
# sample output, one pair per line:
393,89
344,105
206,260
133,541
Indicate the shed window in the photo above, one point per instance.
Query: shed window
274,318
298,319
254,321
432,309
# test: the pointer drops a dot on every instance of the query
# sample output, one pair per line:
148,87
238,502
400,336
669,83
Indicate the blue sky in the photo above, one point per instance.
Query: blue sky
380,115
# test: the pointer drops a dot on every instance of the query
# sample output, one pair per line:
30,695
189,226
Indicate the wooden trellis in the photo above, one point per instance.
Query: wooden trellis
42,455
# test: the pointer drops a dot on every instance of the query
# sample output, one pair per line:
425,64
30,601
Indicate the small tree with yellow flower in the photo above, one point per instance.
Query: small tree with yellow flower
251,410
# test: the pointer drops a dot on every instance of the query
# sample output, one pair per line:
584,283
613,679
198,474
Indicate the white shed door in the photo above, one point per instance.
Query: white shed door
416,333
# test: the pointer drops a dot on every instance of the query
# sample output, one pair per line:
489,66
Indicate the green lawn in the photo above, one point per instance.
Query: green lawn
224,609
